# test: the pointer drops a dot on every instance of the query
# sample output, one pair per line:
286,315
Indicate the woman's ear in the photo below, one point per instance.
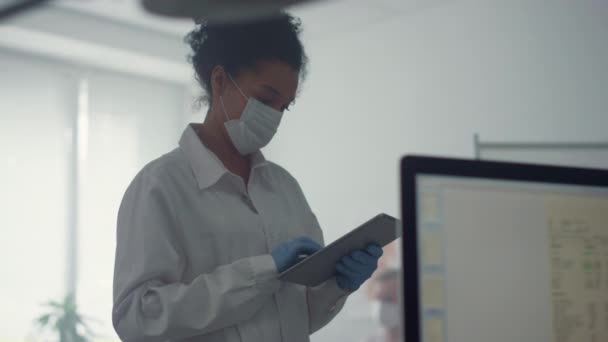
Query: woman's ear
219,80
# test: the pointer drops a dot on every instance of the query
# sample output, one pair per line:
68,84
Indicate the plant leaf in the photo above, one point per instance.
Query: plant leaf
53,304
66,321
82,322
79,338
44,319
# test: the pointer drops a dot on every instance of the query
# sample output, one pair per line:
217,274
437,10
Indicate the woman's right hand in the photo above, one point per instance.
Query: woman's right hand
290,253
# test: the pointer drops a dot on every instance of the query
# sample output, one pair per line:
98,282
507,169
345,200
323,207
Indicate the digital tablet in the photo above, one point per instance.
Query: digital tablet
320,266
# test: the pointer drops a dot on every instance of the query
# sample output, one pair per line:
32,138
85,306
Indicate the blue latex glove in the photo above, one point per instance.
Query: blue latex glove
293,251
354,269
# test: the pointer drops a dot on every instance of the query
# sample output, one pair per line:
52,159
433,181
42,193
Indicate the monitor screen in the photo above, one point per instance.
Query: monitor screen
506,261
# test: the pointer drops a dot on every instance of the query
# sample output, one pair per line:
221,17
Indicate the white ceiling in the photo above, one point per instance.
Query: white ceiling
127,11
320,18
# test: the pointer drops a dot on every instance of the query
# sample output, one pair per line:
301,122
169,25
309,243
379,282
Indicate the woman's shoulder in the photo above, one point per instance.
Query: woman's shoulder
164,170
279,173
285,180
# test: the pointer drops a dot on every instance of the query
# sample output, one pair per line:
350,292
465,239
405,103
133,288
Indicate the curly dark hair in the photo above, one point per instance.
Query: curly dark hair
241,45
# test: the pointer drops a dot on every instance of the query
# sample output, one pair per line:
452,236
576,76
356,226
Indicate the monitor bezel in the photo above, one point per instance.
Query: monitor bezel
412,166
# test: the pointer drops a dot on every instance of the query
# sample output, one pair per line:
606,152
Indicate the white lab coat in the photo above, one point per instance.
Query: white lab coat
192,257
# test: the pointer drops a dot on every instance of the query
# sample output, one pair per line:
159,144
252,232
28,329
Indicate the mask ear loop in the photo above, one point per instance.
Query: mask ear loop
224,108
222,99
237,86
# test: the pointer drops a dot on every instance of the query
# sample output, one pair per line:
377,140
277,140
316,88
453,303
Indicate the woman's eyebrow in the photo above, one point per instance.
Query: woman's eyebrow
276,92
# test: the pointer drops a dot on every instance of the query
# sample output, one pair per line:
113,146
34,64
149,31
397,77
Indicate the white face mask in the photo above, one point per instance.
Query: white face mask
256,127
387,314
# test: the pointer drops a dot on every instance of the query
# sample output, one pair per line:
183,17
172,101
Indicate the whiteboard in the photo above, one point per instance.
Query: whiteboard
590,155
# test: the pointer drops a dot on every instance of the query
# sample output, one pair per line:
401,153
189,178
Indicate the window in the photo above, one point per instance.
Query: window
70,142
35,147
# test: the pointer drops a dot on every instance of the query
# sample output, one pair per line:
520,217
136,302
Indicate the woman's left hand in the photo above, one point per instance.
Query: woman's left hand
354,269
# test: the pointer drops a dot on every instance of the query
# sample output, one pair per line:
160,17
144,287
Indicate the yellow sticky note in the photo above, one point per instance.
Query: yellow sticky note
432,248
433,330
432,291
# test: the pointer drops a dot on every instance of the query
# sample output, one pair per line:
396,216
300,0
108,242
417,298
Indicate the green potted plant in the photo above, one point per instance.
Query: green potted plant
65,321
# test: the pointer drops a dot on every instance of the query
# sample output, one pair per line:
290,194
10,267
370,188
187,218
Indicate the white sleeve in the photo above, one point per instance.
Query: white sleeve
326,300
150,301
324,303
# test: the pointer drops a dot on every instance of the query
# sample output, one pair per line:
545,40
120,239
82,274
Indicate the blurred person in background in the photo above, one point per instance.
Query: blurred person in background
384,289
204,231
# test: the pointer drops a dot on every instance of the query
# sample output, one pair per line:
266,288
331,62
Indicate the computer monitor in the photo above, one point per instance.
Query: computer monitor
504,252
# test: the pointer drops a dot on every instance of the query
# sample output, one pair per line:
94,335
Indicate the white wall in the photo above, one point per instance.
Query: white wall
425,83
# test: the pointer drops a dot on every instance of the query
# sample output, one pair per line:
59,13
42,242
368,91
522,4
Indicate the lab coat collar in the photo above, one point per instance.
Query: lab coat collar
206,166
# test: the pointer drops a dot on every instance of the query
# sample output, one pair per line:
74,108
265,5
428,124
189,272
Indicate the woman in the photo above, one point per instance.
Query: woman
204,231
